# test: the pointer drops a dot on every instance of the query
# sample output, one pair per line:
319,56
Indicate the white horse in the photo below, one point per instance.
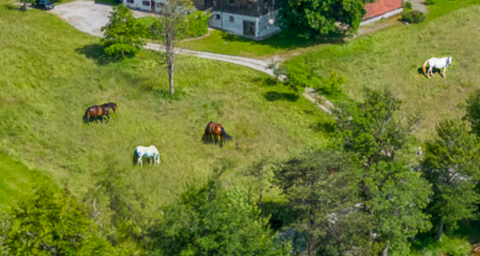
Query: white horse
442,63
148,152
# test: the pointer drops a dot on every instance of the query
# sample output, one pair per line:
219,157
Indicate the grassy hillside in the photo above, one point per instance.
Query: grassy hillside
16,181
51,73
393,58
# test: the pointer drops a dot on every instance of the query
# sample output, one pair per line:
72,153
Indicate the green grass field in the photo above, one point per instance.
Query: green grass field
51,73
393,58
285,45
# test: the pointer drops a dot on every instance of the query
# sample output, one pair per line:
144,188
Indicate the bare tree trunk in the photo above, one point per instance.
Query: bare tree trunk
385,250
440,231
171,69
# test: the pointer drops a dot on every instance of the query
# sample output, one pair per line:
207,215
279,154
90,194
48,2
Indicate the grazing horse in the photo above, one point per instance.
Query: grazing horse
148,152
100,111
216,130
442,63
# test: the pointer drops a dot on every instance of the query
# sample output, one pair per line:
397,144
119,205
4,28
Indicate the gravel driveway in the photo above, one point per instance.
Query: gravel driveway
87,16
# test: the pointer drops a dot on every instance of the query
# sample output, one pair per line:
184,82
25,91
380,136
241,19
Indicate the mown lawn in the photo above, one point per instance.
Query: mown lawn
285,45
393,59
51,73
282,44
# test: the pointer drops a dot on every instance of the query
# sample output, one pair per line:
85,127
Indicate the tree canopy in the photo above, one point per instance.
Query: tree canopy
123,33
312,18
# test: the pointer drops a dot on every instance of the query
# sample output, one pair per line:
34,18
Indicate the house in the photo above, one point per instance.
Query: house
256,18
381,9
249,18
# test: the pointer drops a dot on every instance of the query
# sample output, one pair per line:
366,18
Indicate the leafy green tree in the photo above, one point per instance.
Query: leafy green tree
211,221
321,191
123,33
117,208
372,129
312,18
52,223
394,199
473,112
452,165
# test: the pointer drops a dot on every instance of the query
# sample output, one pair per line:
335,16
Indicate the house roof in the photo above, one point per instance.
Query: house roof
381,7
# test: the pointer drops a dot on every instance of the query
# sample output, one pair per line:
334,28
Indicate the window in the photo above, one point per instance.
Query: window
231,2
160,5
232,19
217,16
146,3
129,1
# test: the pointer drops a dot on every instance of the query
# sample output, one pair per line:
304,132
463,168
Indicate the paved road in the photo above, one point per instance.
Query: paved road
87,16
90,17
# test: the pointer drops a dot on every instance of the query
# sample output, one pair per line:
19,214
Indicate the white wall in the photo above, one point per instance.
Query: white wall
262,26
137,5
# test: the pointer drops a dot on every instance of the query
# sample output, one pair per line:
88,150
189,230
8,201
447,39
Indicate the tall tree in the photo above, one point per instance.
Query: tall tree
51,222
473,111
394,198
372,129
321,191
212,221
123,33
172,20
312,18
452,165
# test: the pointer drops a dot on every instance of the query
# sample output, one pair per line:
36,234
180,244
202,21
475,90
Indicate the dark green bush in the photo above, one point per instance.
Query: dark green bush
408,6
430,2
413,17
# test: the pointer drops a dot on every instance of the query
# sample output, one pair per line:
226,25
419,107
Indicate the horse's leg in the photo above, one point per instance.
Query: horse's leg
221,141
444,73
88,118
108,118
216,138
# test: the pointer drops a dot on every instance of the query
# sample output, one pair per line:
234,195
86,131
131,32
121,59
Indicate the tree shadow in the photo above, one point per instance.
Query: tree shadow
287,40
325,127
97,53
275,96
280,214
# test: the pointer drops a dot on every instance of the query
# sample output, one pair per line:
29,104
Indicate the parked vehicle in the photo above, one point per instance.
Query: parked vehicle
44,4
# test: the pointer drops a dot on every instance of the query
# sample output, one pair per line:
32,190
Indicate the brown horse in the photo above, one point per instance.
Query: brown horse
216,130
100,111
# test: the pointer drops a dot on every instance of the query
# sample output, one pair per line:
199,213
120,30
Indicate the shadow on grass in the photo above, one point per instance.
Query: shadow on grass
287,40
324,127
274,96
96,53
435,71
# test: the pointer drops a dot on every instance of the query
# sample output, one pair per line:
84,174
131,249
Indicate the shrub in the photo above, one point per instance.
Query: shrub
408,6
413,17
430,2
197,25
331,85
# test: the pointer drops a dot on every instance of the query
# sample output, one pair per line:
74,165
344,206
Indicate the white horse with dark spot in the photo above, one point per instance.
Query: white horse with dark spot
437,63
151,153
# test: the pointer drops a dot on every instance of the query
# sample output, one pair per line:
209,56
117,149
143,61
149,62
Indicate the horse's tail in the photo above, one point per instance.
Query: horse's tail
226,137
87,116
135,157
425,67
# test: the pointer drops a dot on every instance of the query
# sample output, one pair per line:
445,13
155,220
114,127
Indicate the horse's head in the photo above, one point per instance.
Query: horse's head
114,107
449,61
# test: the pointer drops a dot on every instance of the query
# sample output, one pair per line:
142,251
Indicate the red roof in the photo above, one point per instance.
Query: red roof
381,7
